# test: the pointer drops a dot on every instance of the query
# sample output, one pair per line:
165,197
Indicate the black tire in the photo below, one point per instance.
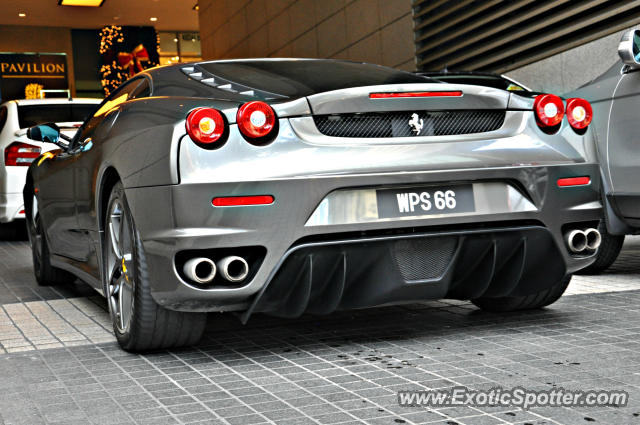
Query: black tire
45,273
608,252
151,327
528,302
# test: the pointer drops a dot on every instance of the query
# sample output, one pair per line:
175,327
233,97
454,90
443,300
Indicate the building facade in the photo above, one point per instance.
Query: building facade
549,45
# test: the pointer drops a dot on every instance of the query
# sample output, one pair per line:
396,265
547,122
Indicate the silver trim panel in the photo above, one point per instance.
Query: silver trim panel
357,99
361,205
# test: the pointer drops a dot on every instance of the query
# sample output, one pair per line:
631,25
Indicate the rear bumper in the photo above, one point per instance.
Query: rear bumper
323,277
11,207
173,219
12,181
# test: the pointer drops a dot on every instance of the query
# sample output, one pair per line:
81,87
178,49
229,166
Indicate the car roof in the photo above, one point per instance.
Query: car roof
272,79
55,101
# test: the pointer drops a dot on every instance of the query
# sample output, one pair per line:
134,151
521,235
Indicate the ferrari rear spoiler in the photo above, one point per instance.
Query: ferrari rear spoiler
407,97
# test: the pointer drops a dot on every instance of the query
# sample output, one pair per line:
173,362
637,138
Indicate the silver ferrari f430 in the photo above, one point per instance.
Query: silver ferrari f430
292,186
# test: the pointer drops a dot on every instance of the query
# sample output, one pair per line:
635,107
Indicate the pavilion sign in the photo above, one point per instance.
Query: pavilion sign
18,70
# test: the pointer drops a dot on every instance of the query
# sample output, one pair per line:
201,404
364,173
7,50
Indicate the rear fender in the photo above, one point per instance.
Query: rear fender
144,139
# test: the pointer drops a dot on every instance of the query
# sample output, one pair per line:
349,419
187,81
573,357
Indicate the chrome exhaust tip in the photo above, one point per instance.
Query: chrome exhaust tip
200,270
594,238
233,268
576,240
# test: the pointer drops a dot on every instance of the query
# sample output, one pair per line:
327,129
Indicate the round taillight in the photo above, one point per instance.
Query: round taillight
205,126
256,120
579,113
549,110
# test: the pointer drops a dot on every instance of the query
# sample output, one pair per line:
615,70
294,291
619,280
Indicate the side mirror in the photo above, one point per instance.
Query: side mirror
48,133
629,49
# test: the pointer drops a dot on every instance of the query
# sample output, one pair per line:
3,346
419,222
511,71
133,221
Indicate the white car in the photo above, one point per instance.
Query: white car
16,116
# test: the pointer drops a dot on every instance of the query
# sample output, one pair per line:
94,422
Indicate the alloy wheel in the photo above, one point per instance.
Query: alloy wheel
119,264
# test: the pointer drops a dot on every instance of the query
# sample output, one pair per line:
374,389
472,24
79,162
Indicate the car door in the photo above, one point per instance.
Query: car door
88,157
623,138
56,206
60,183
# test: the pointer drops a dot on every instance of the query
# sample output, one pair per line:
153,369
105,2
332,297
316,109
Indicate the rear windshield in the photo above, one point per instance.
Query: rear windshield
30,115
297,78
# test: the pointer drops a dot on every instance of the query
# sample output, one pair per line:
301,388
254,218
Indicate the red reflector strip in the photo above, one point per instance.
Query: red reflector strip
236,201
21,212
415,94
574,181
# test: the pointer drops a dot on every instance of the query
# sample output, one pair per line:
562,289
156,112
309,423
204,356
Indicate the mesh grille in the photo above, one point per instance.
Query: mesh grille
405,124
421,259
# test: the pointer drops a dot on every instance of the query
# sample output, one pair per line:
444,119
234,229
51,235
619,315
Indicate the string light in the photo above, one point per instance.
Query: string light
108,35
112,75
33,91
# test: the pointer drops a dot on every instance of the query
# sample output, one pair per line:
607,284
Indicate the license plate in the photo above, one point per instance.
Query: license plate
427,200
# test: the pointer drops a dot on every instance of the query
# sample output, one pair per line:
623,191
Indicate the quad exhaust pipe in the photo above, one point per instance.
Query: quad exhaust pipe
200,270
234,269
580,240
576,240
594,238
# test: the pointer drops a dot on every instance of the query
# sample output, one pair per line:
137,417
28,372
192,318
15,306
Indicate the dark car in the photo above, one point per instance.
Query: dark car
291,186
615,96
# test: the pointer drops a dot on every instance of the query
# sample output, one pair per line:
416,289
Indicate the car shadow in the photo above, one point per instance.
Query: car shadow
432,325
628,262
392,337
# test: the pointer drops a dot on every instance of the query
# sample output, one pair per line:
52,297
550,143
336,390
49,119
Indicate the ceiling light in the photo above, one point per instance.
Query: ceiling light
196,7
87,3
153,19
22,15
175,40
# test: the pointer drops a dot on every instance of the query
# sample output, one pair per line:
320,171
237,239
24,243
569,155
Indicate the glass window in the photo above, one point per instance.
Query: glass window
178,47
120,95
168,44
190,44
30,115
123,93
296,78
142,90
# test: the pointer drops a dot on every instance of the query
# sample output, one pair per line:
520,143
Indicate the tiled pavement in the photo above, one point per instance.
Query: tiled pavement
60,364
16,278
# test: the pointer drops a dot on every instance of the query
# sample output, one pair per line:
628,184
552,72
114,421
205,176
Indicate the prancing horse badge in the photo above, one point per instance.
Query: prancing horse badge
416,123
